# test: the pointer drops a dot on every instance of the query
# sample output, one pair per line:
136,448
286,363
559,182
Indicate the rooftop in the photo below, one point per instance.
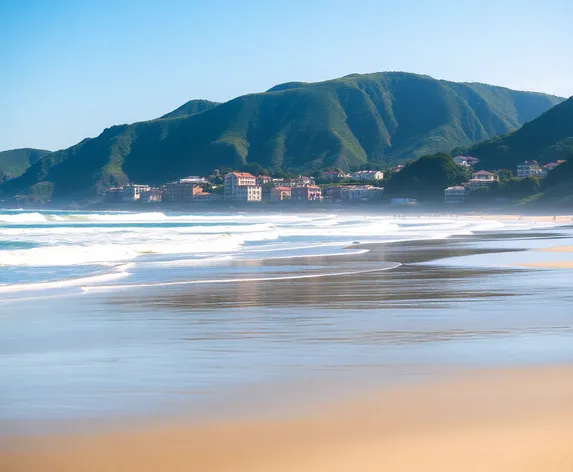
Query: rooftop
245,175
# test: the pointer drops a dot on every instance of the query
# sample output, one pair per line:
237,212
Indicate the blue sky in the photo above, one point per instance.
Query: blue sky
70,68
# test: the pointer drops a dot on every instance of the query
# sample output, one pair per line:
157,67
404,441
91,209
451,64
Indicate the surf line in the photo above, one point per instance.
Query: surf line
101,288
119,272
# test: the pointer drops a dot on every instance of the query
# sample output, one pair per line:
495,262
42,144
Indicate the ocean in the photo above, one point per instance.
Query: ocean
110,313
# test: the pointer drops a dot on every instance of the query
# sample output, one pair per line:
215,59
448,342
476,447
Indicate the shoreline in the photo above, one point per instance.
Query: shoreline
500,420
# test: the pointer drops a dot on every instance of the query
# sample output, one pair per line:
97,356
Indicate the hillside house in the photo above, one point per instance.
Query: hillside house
456,194
367,175
528,169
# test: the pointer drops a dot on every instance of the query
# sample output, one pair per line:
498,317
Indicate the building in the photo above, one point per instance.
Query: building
466,161
333,176
485,176
281,193
308,193
397,168
456,194
193,179
528,169
300,181
352,193
182,191
205,197
368,175
404,201
333,193
132,192
152,195
552,165
242,186
263,179
480,179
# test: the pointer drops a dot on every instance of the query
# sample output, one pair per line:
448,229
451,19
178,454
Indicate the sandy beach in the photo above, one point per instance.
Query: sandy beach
553,265
494,421
549,265
558,249
409,363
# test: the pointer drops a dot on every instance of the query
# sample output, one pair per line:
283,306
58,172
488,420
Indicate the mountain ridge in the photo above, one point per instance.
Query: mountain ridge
547,138
380,118
15,162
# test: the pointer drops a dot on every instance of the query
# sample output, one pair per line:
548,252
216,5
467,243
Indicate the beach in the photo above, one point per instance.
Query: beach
307,342
492,421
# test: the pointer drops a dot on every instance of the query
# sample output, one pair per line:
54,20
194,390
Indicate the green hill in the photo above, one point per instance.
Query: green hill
15,162
426,178
381,118
547,138
190,108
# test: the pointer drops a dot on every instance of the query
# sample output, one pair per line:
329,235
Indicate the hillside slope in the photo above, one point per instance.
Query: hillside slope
381,118
190,108
15,162
547,138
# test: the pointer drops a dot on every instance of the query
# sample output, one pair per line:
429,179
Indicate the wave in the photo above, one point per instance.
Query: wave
23,218
118,273
69,255
145,217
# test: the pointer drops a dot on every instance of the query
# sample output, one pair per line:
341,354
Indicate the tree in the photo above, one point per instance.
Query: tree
256,169
427,178
505,175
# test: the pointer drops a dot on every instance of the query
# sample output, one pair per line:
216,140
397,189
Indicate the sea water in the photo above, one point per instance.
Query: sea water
57,250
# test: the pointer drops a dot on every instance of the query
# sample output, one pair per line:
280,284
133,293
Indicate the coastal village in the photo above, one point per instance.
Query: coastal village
237,186
329,186
483,179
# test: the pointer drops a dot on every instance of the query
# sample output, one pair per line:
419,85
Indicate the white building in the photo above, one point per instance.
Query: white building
456,194
242,186
193,179
528,169
334,176
368,175
360,192
466,161
483,178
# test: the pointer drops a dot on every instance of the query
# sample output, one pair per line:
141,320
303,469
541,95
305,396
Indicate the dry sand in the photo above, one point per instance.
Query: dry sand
518,420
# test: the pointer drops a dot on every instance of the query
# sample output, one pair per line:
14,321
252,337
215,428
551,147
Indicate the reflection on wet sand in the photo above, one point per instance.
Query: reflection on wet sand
369,281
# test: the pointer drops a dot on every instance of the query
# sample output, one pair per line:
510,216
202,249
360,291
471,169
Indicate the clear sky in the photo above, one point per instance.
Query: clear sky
70,68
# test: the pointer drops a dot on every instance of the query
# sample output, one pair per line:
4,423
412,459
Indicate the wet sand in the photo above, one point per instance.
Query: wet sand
495,421
561,219
554,264
549,265
558,249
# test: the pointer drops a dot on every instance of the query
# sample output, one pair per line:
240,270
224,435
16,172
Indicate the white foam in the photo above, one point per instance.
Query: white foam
119,273
101,288
23,218
69,255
